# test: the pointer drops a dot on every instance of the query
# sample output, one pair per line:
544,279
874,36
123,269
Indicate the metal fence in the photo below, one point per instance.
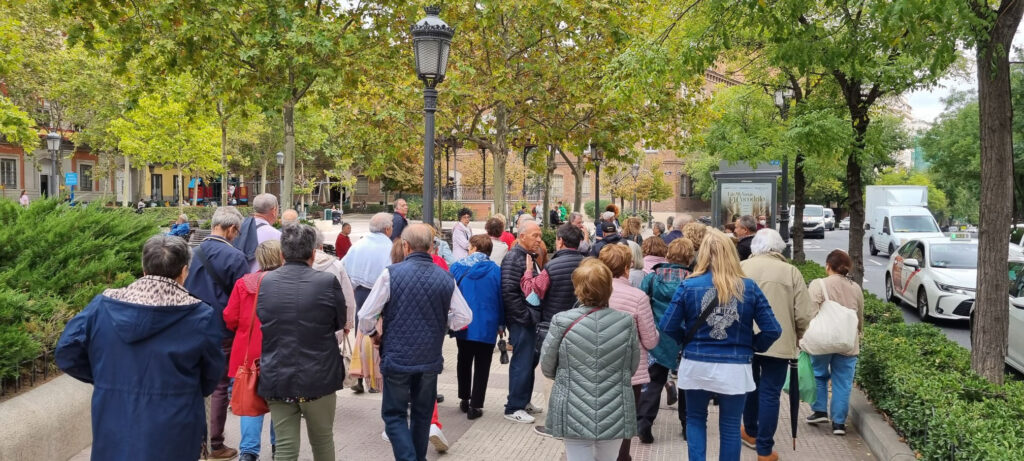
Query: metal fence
39,368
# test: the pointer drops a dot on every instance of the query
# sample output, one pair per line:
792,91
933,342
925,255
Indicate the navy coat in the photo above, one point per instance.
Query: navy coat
480,283
150,367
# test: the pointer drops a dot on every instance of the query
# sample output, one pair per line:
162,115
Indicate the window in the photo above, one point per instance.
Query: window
685,185
158,187
362,185
907,248
85,178
588,182
557,185
8,173
885,225
175,179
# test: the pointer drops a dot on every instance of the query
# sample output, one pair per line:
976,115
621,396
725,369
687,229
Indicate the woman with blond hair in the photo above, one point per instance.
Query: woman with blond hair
694,232
591,352
239,318
712,316
634,302
631,230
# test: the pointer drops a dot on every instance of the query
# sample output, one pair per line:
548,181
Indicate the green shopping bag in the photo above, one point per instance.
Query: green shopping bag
805,375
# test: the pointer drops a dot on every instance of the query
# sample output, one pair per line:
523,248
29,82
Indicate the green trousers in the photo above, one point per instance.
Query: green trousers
319,416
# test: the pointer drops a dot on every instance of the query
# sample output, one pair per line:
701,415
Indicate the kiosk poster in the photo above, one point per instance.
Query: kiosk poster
740,199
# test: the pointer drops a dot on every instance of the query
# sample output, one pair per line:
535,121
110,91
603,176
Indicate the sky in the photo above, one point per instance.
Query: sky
927,104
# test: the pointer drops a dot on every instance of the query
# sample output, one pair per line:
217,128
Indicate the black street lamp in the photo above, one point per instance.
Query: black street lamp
595,156
634,172
782,97
53,145
431,43
280,177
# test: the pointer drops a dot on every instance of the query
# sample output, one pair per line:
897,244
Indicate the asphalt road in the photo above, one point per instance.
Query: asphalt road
874,281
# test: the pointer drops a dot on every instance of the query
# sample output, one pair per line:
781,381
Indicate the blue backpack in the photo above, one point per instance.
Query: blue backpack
247,239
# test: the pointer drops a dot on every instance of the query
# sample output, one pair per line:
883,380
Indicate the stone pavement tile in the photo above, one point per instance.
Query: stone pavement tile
358,427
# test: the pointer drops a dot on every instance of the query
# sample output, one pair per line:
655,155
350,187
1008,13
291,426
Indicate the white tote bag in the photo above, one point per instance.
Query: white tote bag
832,331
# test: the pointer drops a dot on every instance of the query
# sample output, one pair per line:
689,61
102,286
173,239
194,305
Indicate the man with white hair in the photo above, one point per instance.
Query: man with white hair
786,291
258,228
180,227
519,319
365,261
677,228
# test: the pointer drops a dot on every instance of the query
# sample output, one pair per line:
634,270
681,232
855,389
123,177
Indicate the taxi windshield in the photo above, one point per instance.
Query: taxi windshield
913,224
954,255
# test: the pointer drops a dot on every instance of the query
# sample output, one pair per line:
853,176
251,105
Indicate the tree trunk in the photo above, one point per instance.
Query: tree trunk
483,175
989,335
223,154
263,179
797,220
181,187
500,159
548,169
127,183
855,197
288,183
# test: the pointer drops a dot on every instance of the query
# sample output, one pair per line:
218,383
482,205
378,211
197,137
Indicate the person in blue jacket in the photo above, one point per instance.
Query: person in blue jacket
151,352
180,228
479,279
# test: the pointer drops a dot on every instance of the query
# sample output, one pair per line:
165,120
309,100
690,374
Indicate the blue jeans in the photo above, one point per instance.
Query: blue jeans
252,432
840,369
408,428
761,413
522,366
730,409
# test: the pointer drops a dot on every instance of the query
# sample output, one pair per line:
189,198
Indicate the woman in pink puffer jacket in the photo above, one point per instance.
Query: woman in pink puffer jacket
632,301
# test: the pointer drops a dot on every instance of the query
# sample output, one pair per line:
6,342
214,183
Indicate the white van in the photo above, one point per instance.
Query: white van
889,227
814,221
830,219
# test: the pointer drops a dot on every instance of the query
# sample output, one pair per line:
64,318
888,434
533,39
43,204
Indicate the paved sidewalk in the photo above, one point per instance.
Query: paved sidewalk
358,428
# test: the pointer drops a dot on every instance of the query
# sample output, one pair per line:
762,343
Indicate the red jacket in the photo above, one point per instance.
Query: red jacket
439,261
342,245
237,316
508,238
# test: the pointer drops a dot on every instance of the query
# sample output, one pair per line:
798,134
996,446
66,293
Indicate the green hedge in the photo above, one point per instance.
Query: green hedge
165,215
924,382
53,260
449,209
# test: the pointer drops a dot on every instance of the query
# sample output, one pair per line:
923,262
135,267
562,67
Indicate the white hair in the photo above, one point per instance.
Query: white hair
381,222
225,217
767,241
608,215
524,223
683,220
263,203
183,216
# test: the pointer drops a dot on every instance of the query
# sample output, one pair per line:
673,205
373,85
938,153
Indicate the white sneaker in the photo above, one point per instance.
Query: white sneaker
520,416
532,409
384,435
437,439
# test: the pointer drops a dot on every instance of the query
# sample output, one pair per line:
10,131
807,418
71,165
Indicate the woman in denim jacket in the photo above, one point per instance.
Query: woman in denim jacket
716,362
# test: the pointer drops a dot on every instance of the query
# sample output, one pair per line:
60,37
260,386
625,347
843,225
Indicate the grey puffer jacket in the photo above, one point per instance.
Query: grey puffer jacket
592,366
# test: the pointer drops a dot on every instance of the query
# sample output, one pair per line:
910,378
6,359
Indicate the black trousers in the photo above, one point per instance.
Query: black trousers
650,399
473,369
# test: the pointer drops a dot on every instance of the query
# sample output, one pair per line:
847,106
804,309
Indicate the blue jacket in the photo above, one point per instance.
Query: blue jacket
669,237
728,334
179,230
150,367
230,265
479,280
661,286
416,316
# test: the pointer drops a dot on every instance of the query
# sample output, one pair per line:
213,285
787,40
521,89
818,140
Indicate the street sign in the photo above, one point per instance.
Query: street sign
774,162
70,179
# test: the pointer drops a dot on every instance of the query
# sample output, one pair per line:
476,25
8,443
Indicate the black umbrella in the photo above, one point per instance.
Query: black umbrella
794,398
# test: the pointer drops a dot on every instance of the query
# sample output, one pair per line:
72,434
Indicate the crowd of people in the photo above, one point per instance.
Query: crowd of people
612,319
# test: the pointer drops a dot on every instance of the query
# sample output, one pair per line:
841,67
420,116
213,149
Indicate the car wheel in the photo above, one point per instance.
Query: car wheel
922,306
892,249
872,248
890,292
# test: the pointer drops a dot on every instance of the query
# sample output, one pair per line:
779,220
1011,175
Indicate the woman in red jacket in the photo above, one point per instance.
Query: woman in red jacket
238,315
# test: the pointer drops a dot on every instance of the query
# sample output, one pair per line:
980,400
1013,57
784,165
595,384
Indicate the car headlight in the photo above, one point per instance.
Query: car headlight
955,289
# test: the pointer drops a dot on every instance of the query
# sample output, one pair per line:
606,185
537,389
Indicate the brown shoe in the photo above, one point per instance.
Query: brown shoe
223,453
748,440
772,457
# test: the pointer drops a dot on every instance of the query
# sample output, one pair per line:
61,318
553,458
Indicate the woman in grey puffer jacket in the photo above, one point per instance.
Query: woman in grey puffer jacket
591,352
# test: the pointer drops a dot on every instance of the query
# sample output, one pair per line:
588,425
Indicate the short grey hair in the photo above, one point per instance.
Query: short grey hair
381,222
165,256
683,220
420,237
574,215
767,241
524,222
659,226
749,223
225,217
638,255
298,242
263,203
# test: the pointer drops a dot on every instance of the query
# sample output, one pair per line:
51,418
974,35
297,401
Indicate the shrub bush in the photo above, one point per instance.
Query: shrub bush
588,208
449,209
163,216
53,260
924,382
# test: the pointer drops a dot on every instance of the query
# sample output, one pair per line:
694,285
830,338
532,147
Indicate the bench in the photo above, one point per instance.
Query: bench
197,236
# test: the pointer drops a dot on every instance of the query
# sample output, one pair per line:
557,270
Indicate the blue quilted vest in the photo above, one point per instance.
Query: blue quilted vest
416,316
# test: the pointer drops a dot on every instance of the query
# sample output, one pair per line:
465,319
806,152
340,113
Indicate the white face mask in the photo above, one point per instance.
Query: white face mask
762,222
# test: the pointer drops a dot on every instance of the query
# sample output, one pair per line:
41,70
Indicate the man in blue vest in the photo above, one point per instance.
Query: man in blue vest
418,302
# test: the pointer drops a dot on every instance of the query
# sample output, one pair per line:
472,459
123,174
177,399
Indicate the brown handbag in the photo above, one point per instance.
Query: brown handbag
244,399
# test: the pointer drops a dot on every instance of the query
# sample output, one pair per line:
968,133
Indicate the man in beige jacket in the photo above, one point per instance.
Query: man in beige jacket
786,291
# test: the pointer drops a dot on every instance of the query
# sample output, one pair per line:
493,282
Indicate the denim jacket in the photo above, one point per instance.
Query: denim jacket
728,335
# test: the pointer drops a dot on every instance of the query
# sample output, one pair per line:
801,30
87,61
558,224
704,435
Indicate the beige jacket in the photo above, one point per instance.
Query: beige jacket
786,291
843,291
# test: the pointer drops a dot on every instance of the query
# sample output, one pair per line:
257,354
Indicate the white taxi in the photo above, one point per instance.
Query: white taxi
1015,340
937,275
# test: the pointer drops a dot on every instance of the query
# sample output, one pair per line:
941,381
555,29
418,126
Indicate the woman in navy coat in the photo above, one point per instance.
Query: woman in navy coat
151,352
479,280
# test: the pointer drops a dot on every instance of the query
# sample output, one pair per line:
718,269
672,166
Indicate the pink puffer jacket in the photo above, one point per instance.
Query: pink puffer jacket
634,302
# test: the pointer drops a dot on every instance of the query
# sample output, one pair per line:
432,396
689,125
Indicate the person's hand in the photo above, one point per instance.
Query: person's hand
375,339
346,331
529,261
